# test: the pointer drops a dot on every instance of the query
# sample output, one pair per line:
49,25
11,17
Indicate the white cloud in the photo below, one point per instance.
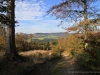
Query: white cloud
38,29
29,9
46,26
30,13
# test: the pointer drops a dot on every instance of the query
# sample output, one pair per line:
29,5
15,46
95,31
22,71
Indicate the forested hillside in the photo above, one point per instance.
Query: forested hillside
38,35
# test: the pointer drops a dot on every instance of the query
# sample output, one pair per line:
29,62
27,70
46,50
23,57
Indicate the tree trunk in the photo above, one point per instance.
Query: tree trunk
10,44
86,25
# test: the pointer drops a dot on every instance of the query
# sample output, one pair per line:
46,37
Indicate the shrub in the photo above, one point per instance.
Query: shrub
73,44
58,48
88,61
21,42
57,51
89,57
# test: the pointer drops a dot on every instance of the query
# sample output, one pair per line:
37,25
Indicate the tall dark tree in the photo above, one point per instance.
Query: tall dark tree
10,44
81,12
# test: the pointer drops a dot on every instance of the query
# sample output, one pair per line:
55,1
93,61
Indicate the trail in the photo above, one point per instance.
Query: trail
72,67
69,65
64,66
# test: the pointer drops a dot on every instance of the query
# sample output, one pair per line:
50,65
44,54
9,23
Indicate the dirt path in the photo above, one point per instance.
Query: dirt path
71,67
59,66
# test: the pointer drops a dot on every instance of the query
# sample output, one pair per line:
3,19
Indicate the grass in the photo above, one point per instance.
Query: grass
47,37
58,69
50,66
46,68
31,58
37,56
57,66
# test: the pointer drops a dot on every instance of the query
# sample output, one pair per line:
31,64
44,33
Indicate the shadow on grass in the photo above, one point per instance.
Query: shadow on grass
30,61
45,68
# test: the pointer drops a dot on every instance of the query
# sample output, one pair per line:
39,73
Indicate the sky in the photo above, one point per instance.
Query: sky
31,17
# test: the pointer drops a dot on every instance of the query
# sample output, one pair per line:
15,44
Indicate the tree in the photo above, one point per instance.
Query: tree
22,43
7,17
2,30
3,10
80,12
10,41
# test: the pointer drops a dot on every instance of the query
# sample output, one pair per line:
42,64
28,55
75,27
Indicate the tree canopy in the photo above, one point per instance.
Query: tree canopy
78,12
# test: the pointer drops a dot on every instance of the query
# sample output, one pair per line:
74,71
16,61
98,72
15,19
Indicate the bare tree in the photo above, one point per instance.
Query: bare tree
81,12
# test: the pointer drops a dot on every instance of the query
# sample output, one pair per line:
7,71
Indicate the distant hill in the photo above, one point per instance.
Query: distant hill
50,35
47,34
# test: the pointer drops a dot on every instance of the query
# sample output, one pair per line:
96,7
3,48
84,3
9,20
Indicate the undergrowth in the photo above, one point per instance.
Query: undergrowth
89,57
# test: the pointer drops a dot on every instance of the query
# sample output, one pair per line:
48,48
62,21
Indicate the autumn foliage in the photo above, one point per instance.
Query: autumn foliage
89,57
26,42
58,47
22,43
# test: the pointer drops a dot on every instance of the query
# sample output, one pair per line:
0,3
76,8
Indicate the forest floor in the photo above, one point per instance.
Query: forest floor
41,62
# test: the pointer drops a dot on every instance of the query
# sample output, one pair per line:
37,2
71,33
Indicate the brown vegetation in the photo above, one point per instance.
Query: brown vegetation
29,61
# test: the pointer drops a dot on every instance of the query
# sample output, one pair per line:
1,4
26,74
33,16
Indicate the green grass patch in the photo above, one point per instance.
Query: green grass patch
59,68
47,37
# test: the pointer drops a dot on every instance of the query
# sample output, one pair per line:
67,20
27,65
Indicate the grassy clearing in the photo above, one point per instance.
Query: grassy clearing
58,66
31,58
45,69
37,56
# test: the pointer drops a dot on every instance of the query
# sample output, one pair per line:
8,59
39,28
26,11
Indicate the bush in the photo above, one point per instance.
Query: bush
90,62
22,42
74,44
89,57
57,51
58,47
